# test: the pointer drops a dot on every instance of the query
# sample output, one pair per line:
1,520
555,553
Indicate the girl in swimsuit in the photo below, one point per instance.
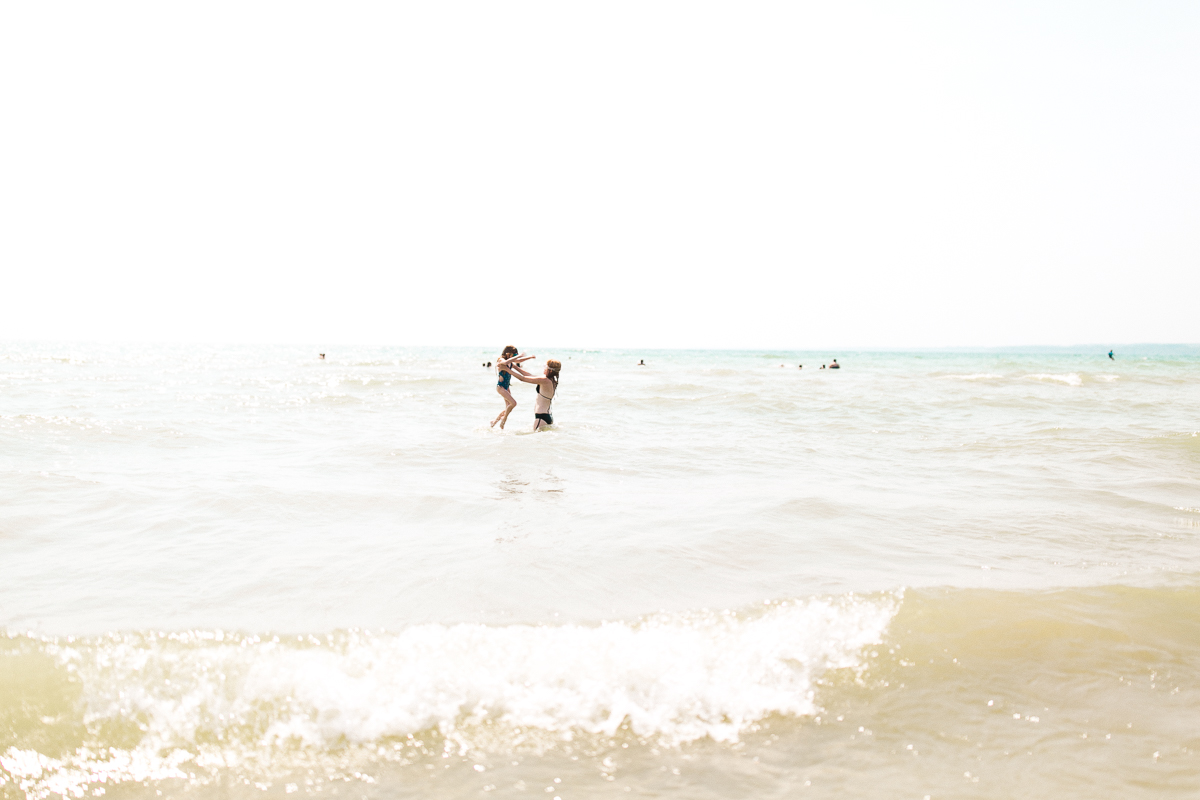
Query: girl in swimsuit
506,365
546,388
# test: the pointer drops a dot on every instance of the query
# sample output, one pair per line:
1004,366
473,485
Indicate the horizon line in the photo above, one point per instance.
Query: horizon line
1081,347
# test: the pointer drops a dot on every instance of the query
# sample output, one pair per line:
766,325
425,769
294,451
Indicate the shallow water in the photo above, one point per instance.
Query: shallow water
241,571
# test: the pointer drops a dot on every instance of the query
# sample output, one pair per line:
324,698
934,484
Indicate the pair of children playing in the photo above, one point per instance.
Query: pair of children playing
508,365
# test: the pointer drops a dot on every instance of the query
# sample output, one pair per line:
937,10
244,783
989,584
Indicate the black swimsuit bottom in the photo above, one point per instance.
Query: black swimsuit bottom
546,418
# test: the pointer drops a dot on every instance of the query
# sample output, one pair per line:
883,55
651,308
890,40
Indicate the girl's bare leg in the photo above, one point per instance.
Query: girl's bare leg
507,411
509,405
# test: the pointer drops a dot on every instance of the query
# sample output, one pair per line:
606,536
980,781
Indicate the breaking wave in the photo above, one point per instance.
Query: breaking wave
194,697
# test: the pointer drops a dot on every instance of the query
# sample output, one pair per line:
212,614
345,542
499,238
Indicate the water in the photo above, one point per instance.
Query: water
244,572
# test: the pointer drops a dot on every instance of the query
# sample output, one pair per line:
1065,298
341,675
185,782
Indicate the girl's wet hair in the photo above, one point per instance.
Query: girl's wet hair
555,366
509,350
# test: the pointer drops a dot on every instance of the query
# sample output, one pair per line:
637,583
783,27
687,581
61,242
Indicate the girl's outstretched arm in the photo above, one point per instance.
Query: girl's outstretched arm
508,362
525,376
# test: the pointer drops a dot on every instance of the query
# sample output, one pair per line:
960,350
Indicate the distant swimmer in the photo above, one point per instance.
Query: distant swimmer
835,365
547,386
642,363
822,366
321,356
1110,358
801,366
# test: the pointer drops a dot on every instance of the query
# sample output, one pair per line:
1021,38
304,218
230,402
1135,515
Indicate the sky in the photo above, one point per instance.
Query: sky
655,174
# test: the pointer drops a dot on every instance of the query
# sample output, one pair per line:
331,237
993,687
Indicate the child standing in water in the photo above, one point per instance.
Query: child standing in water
508,360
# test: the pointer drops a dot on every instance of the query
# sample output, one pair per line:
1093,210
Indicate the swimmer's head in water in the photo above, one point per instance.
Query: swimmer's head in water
509,351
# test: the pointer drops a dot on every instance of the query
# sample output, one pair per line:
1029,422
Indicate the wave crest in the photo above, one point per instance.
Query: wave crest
682,677
197,697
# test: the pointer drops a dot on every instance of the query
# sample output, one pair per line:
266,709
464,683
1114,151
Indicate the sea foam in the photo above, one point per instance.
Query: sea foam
678,677
1070,378
205,698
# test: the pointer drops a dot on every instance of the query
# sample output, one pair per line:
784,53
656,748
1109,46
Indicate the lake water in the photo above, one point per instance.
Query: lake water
245,572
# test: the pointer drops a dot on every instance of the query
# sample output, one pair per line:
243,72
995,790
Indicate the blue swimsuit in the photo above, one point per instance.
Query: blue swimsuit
505,377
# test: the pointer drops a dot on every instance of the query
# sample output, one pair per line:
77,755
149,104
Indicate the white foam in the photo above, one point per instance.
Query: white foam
977,376
673,678
1070,378
40,777
684,677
